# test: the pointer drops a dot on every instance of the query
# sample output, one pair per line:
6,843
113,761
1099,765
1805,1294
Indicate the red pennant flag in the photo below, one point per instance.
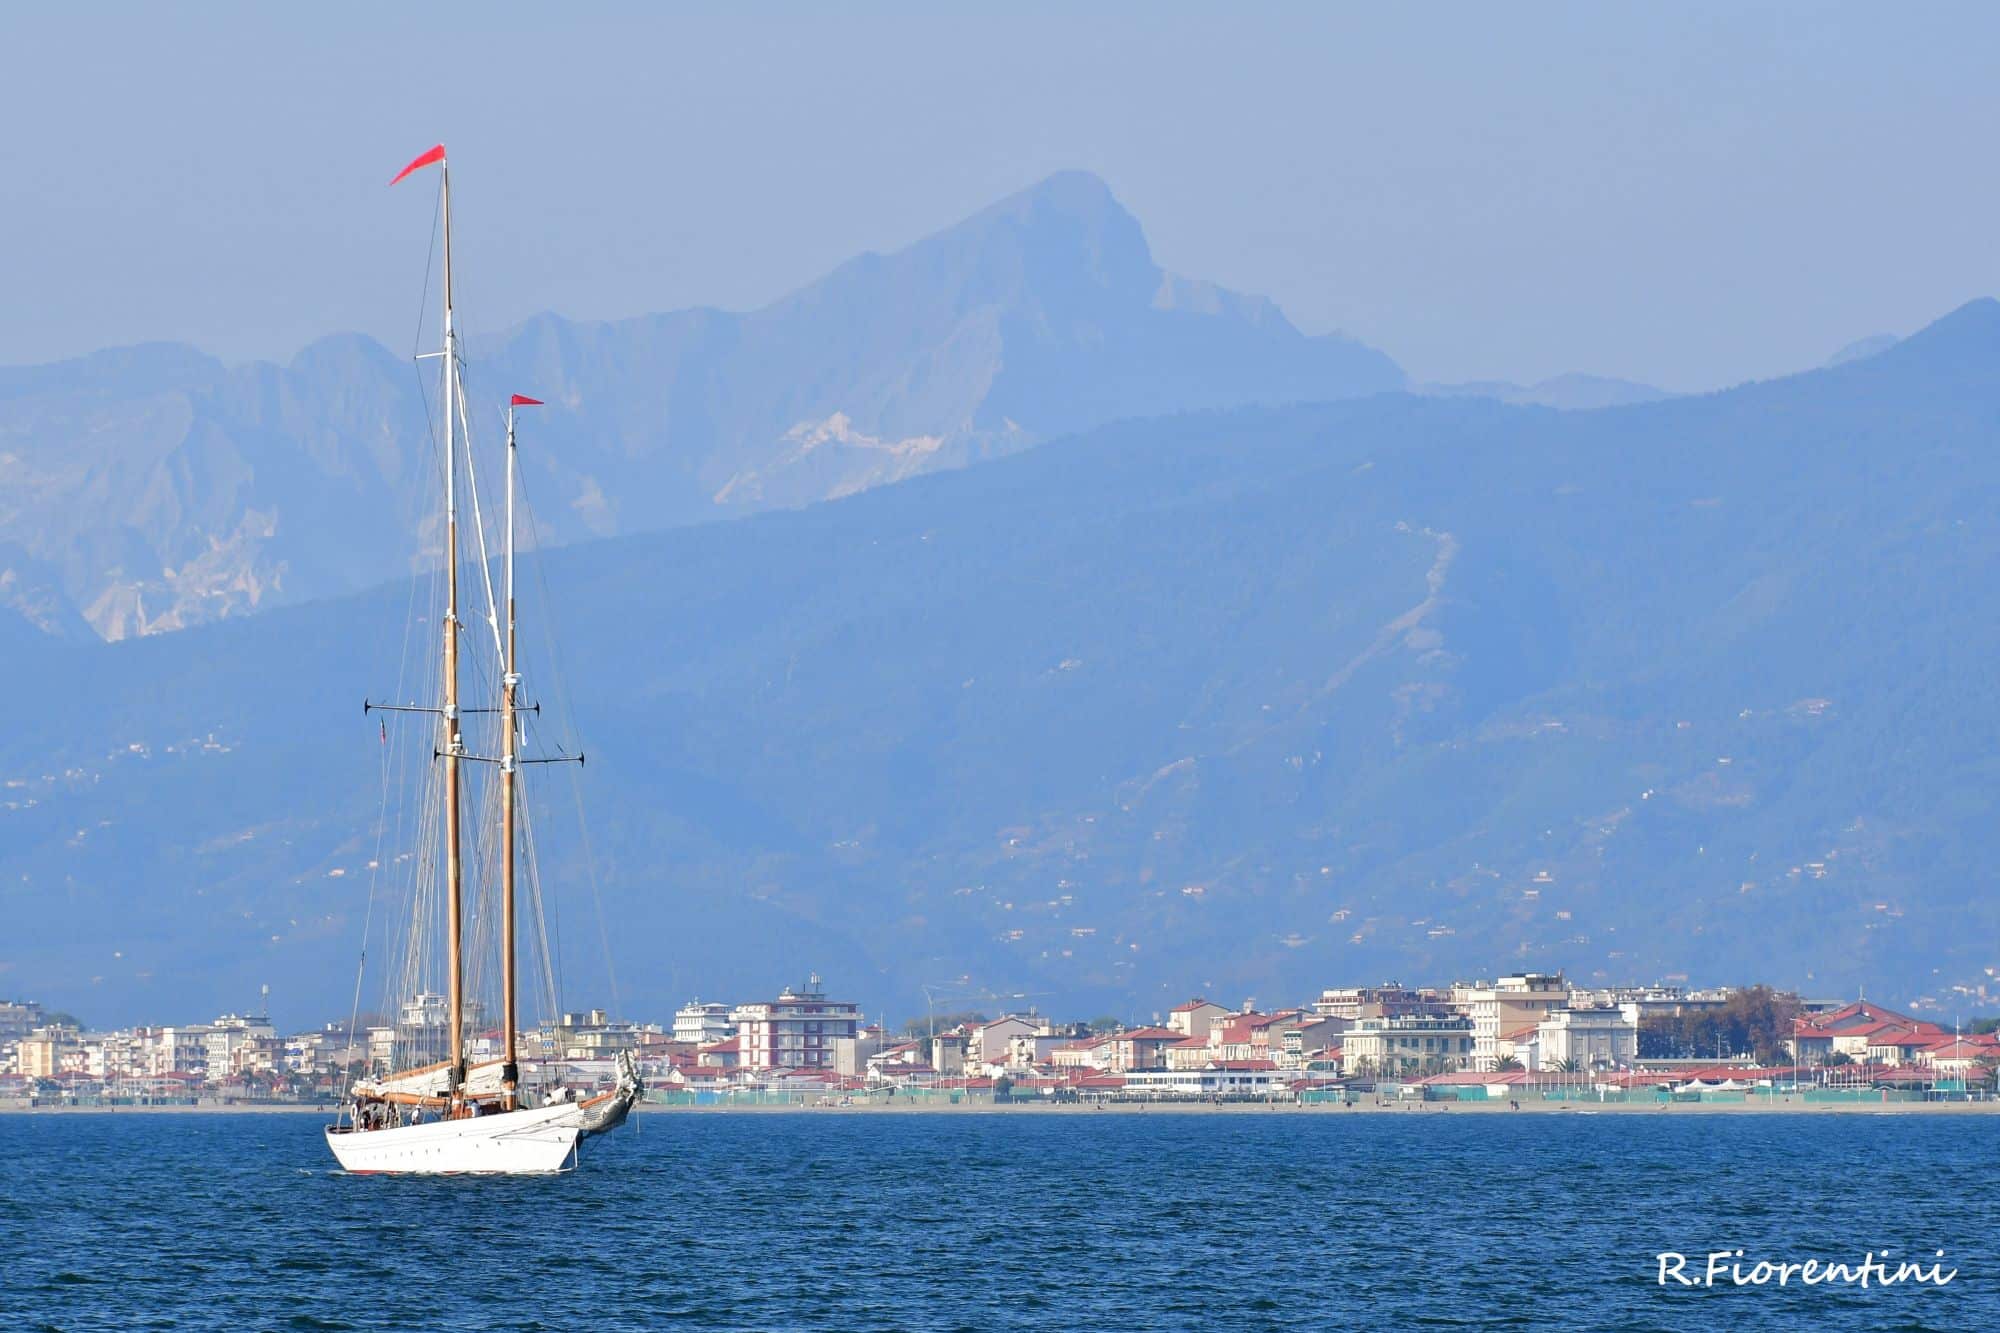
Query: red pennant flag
522,400
421,160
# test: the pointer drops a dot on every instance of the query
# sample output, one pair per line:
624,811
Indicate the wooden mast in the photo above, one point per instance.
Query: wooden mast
510,1073
454,742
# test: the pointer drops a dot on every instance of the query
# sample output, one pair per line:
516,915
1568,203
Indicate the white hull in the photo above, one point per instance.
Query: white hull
541,1141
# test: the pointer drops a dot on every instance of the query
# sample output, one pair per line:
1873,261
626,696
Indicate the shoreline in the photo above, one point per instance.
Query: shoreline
1408,1108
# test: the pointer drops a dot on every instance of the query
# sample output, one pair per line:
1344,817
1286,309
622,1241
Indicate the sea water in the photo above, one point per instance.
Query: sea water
1018,1219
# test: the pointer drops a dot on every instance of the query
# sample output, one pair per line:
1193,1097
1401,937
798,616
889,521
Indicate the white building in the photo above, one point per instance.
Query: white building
234,1041
1587,1039
703,1024
1218,1078
182,1049
1406,1045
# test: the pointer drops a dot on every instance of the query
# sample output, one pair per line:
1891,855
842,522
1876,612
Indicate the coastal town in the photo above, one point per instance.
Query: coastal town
1527,1036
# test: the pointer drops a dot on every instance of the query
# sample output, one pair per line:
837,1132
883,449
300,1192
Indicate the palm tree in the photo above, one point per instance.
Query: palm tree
1507,1065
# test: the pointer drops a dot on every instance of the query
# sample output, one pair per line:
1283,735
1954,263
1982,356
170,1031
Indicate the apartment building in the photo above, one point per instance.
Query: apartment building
1506,1006
798,1030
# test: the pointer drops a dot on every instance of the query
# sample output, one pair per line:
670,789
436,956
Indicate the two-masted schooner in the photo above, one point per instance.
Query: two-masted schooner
450,1116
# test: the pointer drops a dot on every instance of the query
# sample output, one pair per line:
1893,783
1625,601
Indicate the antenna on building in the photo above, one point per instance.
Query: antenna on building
264,1000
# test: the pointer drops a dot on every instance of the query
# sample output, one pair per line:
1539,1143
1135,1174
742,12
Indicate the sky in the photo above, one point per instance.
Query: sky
1687,195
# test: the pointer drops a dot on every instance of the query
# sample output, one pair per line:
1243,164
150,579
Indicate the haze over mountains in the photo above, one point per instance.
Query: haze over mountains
151,488
1238,700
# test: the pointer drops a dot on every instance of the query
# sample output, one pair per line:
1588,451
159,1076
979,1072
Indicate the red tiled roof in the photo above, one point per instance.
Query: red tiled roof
1862,1011
1908,1040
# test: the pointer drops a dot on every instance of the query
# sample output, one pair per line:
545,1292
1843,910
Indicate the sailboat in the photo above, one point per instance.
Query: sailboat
448,1116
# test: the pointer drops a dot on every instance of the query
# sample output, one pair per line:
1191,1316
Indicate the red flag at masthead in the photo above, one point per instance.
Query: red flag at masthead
522,400
421,160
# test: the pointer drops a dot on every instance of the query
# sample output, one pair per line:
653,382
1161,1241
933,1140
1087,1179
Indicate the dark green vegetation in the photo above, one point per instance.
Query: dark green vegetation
1756,1019
1241,703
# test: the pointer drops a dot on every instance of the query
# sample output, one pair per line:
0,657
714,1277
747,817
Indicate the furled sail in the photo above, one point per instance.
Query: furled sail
481,1080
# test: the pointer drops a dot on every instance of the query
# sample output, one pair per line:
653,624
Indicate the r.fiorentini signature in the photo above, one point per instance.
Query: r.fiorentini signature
1727,1268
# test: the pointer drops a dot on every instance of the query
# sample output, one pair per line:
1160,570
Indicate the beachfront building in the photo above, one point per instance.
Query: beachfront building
947,1051
702,1024
18,1018
1308,1039
1407,1046
1196,1017
1135,1048
1967,1058
40,1053
1391,999
724,1054
1640,1003
798,1030
1585,1040
1250,1035
987,1046
1218,1079
178,1049
851,1054
1188,1053
1030,1050
1862,1031
1506,1006
234,1044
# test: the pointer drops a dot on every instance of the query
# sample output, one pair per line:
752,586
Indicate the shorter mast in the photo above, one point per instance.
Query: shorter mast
510,1072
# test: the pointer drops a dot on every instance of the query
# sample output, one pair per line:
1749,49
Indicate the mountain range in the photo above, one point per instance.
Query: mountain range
153,488
1244,700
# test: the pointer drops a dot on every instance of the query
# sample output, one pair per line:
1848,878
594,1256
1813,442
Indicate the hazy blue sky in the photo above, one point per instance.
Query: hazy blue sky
1685,194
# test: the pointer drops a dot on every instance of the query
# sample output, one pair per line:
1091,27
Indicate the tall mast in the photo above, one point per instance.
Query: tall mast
510,1074
454,741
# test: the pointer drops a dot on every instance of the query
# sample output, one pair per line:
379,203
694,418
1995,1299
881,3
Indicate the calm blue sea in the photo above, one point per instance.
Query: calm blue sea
987,1221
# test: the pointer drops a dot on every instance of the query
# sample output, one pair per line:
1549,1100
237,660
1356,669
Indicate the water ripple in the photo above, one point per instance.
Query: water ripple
983,1222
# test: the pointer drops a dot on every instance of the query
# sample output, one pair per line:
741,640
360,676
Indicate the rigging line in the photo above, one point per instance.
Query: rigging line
548,918
411,979
569,720
478,519
381,823
430,259
420,892
416,361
